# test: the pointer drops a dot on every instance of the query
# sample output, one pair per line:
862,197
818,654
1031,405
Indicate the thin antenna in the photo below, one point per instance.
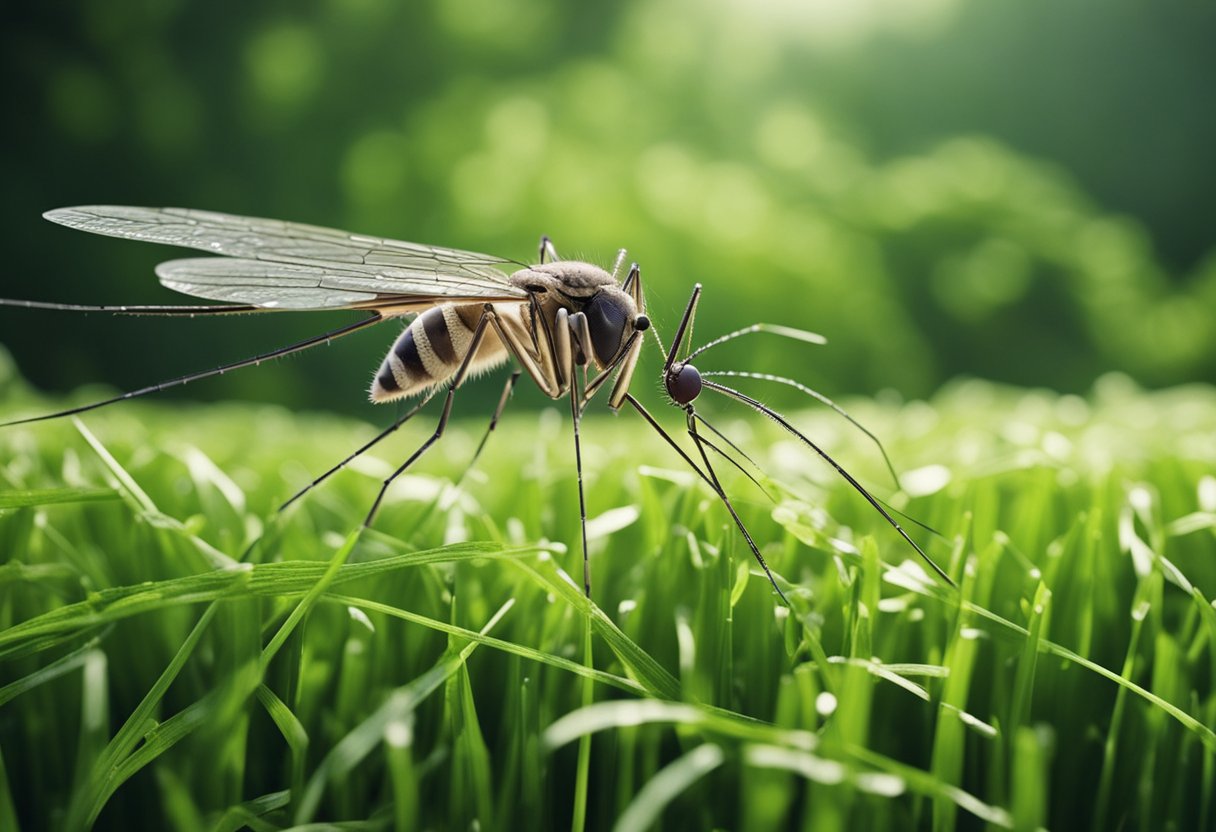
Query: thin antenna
784,331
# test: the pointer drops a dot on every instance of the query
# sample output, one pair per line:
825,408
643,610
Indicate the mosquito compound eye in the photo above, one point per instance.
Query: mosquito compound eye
606,318
683,383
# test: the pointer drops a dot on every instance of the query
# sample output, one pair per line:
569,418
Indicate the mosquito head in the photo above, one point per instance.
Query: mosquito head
683,383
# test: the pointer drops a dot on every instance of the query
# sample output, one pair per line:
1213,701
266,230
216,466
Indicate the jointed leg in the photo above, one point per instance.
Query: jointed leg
713,484
576,415
690,416
507,390
398,422
453,383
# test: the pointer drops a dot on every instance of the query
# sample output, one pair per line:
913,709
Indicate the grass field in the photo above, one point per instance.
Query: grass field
161,670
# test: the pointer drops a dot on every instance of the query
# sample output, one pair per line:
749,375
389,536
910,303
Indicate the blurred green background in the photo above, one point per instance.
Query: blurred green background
1018,191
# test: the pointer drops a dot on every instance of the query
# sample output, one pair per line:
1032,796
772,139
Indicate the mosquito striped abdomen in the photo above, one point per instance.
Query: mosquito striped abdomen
430,350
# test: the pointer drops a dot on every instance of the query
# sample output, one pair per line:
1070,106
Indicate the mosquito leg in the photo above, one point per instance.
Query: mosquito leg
176,311
576,415
398,422
690,416
507,390
849,478
299,346
711,482
474,344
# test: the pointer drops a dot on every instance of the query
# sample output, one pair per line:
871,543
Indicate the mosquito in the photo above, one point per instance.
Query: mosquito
573,327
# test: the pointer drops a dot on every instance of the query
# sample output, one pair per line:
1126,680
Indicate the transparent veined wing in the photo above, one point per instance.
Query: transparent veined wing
331,286
286,265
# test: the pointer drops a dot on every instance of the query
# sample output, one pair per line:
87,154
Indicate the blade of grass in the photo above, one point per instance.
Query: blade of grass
360,741
674,779
55,496
59,667
293,732
583,766
285,578
8,811
640,664
249,814
100,783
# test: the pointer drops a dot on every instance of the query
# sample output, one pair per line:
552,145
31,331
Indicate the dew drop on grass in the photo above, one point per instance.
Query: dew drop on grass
1056,445
1207,493
360,617
398,733
1140,499
880,783
921,482
825,704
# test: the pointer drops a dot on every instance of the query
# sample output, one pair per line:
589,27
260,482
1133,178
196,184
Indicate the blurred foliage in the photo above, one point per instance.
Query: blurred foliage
1009,190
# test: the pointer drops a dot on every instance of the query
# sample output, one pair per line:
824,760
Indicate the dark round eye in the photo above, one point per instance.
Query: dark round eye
683,383
641,323
606,318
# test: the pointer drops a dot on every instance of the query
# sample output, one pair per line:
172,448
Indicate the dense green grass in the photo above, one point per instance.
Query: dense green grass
157,672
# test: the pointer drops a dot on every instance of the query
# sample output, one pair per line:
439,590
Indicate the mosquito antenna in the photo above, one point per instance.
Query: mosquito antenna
815,394
299,346
714,486
776,329
781,420
186,311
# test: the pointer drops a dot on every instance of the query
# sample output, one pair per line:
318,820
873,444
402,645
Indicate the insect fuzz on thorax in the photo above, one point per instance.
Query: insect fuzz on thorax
576,315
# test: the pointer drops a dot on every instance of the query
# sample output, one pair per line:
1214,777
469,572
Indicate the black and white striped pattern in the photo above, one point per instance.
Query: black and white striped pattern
430,350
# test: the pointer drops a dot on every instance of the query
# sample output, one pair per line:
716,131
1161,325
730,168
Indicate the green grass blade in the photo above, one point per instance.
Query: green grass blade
59,667
360,741
54,496
102,780
647,808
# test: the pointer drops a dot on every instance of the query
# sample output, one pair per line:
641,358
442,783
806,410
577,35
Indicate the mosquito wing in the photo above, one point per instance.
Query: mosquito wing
284,265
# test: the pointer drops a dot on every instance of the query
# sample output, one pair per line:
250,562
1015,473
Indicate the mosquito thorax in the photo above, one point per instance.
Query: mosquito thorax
575,286
683,383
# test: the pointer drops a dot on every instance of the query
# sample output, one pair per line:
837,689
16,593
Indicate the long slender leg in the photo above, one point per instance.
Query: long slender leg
398,422
175,311
576,415
849,478
456,380
711,482
690,417
507,390
299,346
517,344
